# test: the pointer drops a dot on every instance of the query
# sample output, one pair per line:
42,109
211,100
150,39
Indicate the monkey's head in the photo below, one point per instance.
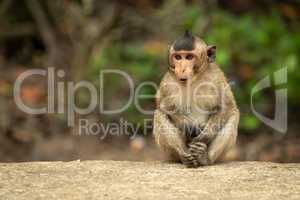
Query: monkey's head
188,56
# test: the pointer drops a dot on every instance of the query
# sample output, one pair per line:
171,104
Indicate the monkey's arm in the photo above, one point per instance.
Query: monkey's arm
211,128
219,135
170,140
225,138
220,131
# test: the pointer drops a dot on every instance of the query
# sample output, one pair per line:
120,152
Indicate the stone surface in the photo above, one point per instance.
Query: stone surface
148,180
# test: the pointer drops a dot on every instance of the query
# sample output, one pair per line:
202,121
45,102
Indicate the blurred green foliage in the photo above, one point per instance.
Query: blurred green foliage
249,47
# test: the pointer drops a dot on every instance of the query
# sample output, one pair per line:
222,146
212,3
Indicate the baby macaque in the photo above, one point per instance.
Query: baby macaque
196,119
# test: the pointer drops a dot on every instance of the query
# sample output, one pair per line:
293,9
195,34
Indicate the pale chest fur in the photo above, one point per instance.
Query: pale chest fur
191,105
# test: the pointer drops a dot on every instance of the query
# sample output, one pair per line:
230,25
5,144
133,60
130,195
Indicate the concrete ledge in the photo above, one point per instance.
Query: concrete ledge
148,180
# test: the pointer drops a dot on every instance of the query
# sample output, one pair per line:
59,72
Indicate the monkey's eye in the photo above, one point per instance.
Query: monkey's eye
177,57
189,57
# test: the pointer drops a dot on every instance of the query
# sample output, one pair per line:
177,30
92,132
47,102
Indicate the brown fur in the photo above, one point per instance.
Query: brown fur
203,105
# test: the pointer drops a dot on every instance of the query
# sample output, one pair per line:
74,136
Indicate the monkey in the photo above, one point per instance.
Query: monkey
196,116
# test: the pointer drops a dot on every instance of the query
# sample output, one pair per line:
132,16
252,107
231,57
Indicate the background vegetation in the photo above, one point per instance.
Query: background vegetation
83,37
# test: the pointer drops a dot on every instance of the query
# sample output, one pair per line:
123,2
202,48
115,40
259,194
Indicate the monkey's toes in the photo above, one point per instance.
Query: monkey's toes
189,160
199,152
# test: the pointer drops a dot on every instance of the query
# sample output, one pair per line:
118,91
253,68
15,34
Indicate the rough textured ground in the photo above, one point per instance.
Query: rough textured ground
148,180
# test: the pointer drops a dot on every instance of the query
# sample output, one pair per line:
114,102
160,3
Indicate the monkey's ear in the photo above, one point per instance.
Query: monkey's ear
170,61
211,53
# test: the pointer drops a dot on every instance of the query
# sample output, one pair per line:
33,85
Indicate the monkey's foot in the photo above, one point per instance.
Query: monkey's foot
199,152
189,160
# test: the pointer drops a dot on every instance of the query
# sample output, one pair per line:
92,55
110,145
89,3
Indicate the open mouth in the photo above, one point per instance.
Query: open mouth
183,80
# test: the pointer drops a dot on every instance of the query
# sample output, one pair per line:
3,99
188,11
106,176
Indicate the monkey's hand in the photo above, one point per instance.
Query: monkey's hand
199,153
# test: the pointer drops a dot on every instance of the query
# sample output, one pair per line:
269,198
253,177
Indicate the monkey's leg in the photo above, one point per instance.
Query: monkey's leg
170,140
219,134
198,146
225,138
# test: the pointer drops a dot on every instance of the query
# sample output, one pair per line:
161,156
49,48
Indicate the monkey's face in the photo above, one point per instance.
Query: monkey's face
188,56
183,65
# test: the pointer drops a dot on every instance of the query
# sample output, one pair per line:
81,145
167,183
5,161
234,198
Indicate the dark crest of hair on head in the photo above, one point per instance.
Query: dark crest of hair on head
187,42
